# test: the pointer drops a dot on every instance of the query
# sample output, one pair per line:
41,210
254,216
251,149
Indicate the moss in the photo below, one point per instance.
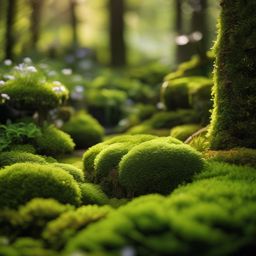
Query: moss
24,148
105,105
54,142
233,119
158,167
182,132
34,215
59,231
175,93
92,194
195,67
166,120
29,91
219,222
84,130
21,182
77,173
12,157
201,102
238,156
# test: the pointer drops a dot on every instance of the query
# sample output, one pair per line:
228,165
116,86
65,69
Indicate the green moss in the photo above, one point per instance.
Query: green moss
59,231
182,132
233,118
158,167
29,91
54,142
239,156
23,181
216,214
200,100
77,173
175,93
12,157
92,194
84,130
24,148
34,216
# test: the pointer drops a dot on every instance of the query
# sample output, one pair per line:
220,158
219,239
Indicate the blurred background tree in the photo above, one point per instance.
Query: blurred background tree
119,31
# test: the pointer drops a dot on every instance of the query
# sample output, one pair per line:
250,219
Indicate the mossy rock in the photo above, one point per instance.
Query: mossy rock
84,130
22,182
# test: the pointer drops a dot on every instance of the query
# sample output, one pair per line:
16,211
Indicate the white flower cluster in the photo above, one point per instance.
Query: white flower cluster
59,87
23,68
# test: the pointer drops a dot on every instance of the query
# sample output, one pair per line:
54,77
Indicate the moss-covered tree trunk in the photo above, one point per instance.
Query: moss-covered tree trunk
234,115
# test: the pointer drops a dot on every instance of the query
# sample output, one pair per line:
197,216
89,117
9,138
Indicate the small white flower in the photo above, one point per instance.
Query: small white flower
21,67
160,105
79,88
9,77
2,83
7,62
52,73
66,71
5,96
27,60
31,69
128,251
57,83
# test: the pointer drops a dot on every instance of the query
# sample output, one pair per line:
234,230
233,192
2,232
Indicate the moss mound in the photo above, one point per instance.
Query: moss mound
92,194
59,231
84,130
77,173
12,157
182,132
54,142
23,181
158,167
214,213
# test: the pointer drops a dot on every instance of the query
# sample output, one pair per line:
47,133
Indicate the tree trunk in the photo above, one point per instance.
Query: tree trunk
117,27
35,21
74,22
9,34
199,24
234,120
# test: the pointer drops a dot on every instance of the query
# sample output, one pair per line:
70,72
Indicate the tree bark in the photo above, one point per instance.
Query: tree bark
233,119
117,30
35,21
74,22
9,34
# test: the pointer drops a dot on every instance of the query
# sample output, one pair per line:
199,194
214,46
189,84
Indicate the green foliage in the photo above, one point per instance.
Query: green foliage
17,133
239,156
175,93
92,194
84,130
77,173
59,231
233,119
29,91
165,120
105,105
54,142
158,167
23,181
12,157
182,132
215,213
